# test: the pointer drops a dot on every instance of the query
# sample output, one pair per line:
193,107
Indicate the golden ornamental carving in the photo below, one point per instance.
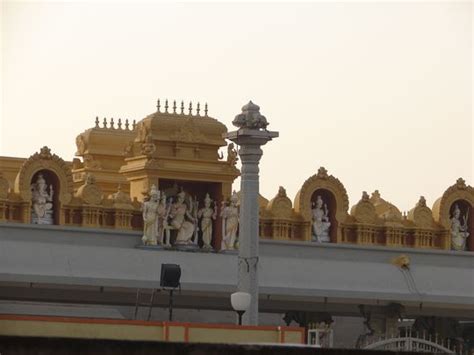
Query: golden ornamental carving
232,158
80,144
385,209
77,164
91,163
442,206
189,132
322,173
153,164
322,180
45,153
148,148
364,210
280,206
128,150
44,160
421,215
89,192
4,187
142,132
120,199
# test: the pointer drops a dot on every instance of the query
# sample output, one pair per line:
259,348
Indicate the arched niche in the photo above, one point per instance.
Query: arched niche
57,171
461,195
51,180
466,214
330,201
335,194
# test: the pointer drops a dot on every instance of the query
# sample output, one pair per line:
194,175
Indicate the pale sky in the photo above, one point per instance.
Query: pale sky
378,93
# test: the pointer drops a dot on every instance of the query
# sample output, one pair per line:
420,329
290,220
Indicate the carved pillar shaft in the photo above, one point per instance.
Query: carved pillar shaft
248,232
250,138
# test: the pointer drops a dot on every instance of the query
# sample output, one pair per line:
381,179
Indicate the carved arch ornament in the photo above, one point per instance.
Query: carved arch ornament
421,215
322,180
44,160
458,191
364,210
280,206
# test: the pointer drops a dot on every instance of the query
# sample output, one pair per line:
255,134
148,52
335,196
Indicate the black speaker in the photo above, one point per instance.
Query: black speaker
170,275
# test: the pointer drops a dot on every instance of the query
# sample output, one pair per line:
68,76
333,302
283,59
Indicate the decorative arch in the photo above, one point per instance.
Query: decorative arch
44,160
322,181
442,208
458,191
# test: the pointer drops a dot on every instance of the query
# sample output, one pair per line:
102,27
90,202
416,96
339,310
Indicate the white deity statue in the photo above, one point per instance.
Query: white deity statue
181,219
163,212
150,218
459,231
230,223
42,201
321,222
207,214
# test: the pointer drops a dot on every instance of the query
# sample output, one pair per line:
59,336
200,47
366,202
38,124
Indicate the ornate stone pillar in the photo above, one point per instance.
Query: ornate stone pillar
250,136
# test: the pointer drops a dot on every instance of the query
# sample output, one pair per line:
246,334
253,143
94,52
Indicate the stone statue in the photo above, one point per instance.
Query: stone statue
232,154
459,231
321,222
163,212
42,201
182,220
150,218
207,214
230,223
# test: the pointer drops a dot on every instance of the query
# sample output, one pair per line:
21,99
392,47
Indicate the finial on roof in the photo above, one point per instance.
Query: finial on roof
166,106
158,105
198,109
190,108
322,173
422,202
182,107
112,123
174,106
97,121
119,124
461,183
105,123
126,124
376,195
134,125
365,196
205,109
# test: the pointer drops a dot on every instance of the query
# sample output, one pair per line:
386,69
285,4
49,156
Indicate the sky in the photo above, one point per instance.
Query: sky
379,93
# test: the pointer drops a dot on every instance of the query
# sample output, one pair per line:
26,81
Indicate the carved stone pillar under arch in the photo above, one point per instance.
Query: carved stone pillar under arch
335,193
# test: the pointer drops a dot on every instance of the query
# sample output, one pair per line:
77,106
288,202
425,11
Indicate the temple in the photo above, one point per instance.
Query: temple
160,187
179,148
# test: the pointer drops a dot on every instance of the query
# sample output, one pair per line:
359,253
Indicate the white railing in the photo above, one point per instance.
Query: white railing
416,344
